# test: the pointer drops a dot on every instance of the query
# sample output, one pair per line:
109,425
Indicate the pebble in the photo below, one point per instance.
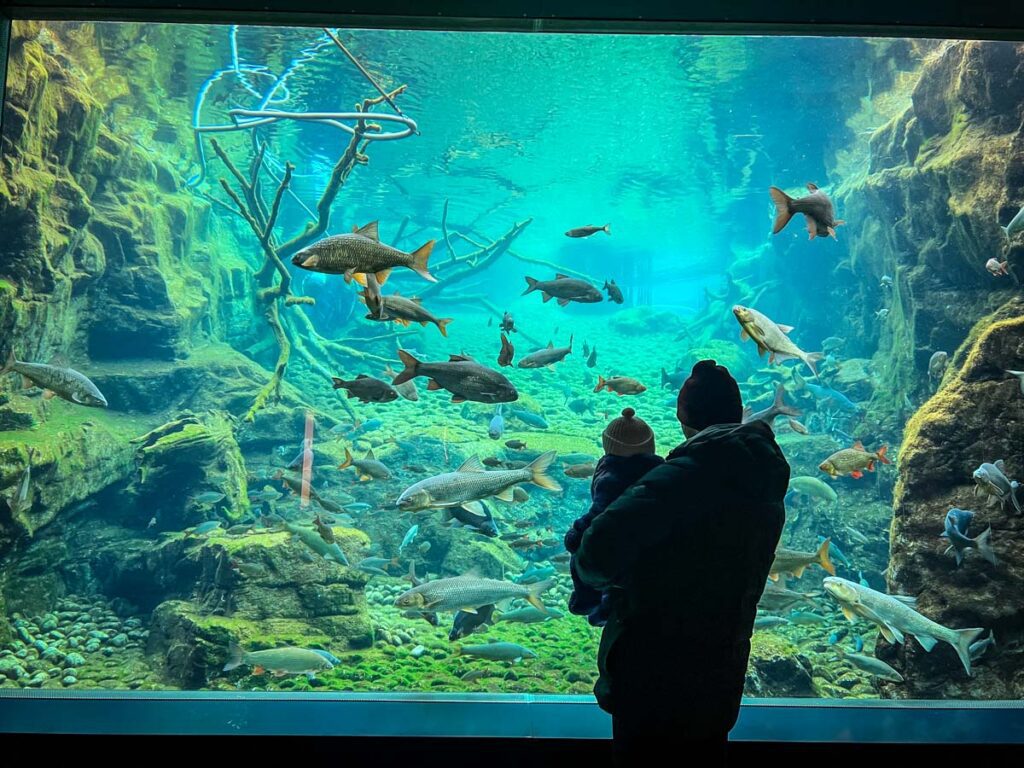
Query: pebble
74,660
120,640
50,624
74,642
53,653
24,634
98,635
108,651
54,671
69,680
92,646
37,680
11,669
418,651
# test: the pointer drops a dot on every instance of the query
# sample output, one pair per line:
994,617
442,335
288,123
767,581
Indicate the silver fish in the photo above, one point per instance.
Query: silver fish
547,356
470,592
66,383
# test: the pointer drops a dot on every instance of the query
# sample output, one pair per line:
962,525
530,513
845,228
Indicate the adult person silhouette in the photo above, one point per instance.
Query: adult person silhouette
684,555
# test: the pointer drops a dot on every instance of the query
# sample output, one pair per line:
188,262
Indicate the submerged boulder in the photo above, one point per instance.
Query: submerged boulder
977,416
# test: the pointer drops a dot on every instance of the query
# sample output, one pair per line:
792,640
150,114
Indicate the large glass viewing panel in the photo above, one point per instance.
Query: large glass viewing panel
213,428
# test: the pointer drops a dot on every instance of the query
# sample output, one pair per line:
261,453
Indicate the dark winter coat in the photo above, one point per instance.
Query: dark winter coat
612,476
685,553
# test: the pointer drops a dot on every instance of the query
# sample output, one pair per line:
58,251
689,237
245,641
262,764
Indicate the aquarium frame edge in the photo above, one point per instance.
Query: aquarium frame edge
487,716
5,45
785,17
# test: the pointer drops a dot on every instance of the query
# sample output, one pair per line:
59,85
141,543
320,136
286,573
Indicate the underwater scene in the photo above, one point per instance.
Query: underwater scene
309,337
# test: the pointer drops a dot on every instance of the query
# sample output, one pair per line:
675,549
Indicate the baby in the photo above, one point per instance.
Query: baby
628,456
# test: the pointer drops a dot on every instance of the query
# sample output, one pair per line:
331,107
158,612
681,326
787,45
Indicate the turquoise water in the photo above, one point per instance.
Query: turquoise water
212,503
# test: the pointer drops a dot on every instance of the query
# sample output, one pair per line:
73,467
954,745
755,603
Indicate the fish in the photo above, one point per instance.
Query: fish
20,501
673,380
546,357
588,230
882,313
535,573
853,460
300,458
978,649
465,378
771,337
565,289
586,349
65,383
871,665
473,674
991,480
203,528
529,418
373,299
327,655
207,498
796,426
955,529
896,616
472,514
997,268
855,535
620,385
325,531
1020,376
367,468
404,311
1016,224
278,661
832,344
835,553
295,486
885,282
778,598
496,652
467,623
470,592
769,414
358,427
515,445
937,364
592,359
795,562
313,540
816,207
377,562
493,461
806,617
530,615
766,622
406,389
580,405
614,292
409,538
471,482
826,395
812,486
367,389
497,426
519,496
508,323
507,353
361,251
579,470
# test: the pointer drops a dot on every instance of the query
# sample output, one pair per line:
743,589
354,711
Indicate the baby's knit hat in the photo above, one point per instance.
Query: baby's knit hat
628,435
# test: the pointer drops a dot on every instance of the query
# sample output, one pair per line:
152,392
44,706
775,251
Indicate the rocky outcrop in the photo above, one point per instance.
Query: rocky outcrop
944,174
977,416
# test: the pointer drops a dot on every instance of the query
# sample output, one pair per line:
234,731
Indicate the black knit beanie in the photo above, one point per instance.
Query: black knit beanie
709,396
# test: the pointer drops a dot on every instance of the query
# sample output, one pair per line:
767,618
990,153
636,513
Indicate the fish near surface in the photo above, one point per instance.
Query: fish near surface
565,289
816,207
471,482
588,230
66,383
367,389
853,460
895,616
772,338
359,252
465,378
469,593
368,468
547,356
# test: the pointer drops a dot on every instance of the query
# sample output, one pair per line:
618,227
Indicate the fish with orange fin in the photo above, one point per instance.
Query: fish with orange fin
401,310
816,207
355,253
620,385
853,461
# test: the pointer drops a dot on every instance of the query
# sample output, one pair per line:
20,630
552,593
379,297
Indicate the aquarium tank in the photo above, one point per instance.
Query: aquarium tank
298,324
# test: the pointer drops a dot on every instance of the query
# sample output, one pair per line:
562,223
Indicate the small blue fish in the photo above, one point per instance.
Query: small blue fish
862,580
837,635
497,425
535,574
410,536
835,553
827,395
529,418
207,527
858,643
357,506
327,655
977,649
